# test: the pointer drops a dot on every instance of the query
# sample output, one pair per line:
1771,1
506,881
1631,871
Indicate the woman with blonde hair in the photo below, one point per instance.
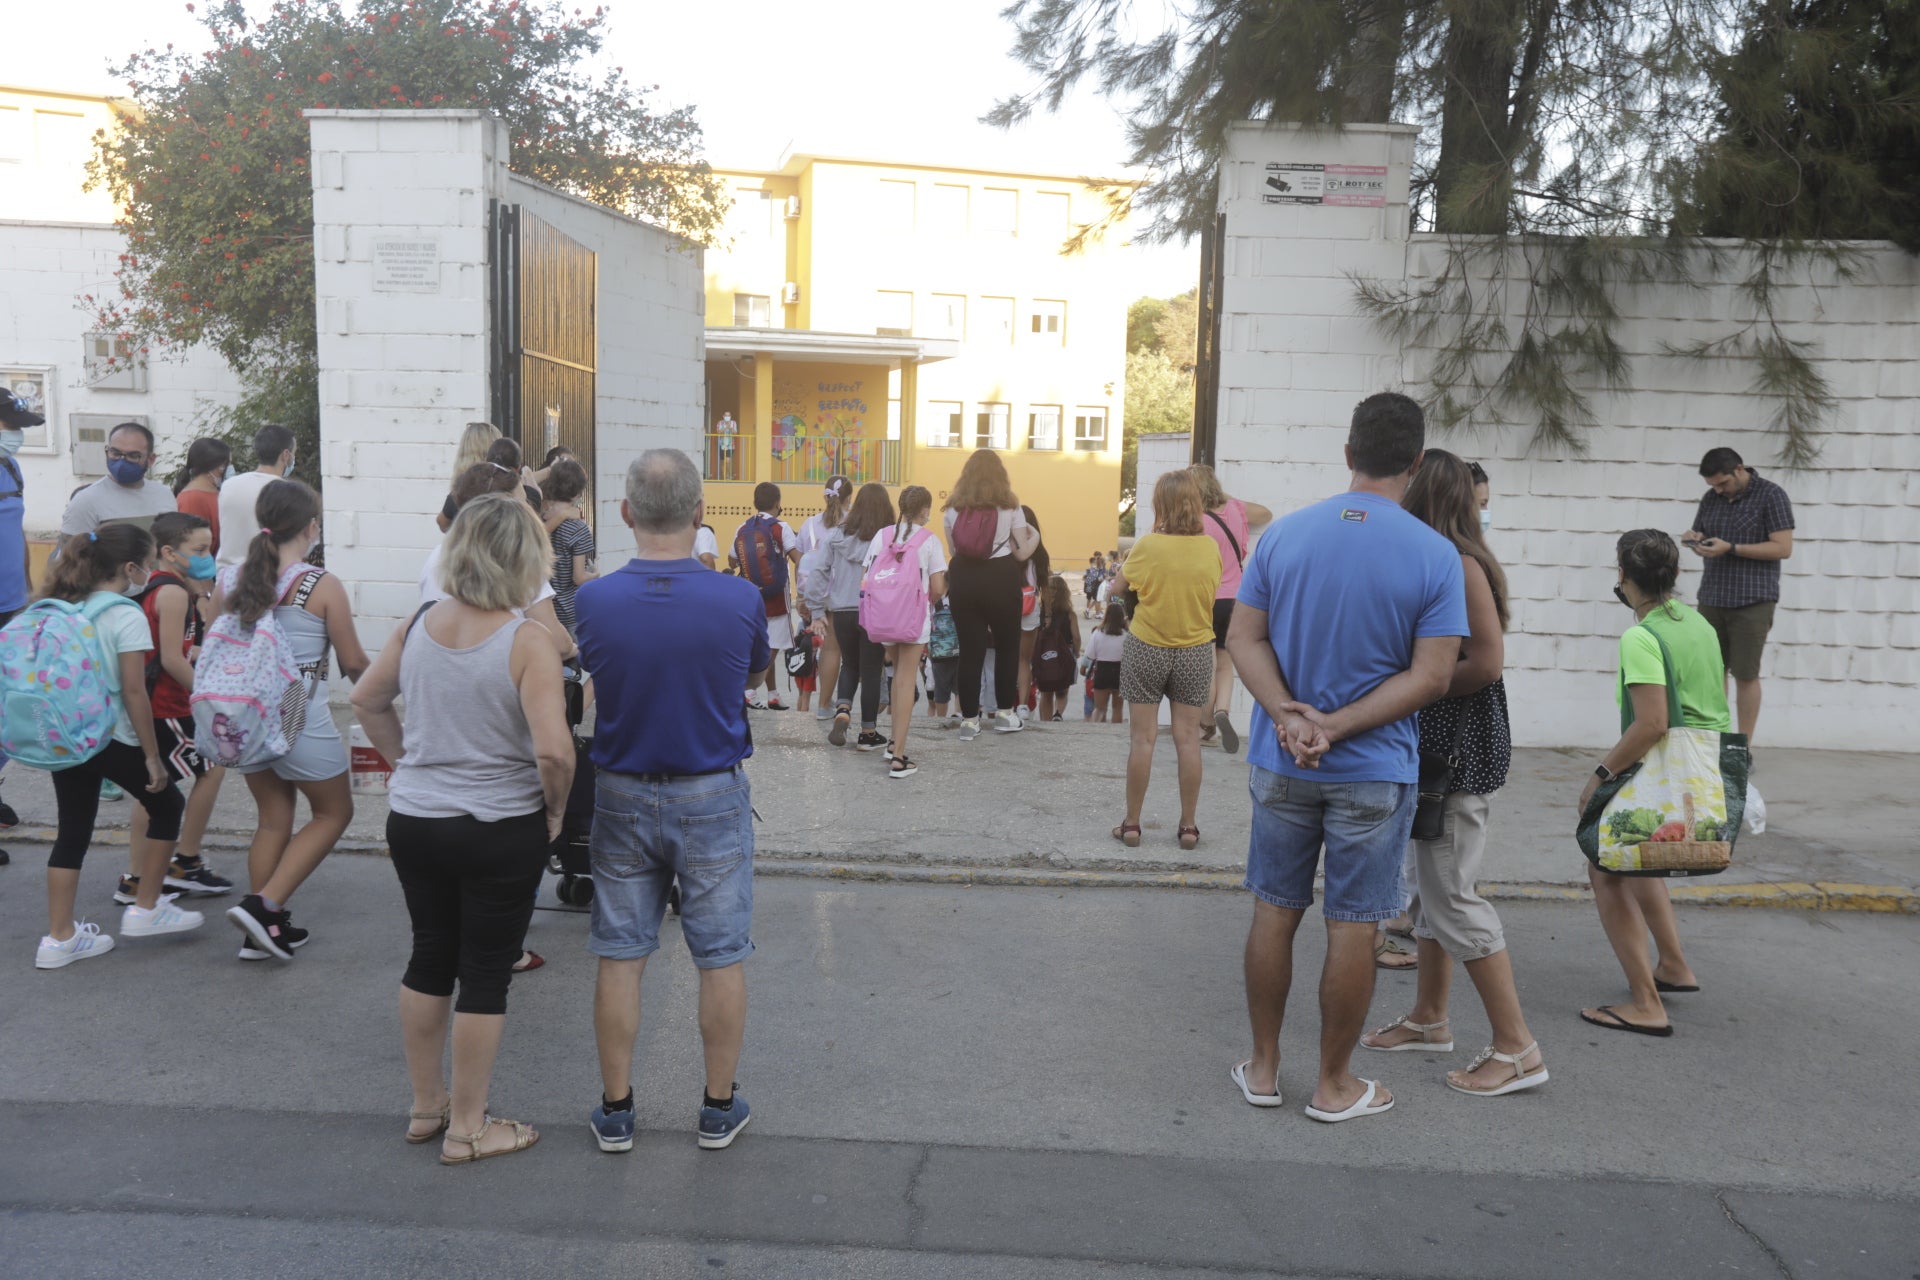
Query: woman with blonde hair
1175,570
991,542
482,768
474,443
1230,523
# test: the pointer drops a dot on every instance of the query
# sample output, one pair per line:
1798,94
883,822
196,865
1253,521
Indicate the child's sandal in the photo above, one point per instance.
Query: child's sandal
1189,837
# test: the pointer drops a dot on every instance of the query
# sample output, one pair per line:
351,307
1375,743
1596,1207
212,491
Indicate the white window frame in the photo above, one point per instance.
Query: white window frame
993,201
746,301
892,304
1042,222
1036,438
941,213
991,325
893,190
947,414
1047,322
947,317
1083,417
993,425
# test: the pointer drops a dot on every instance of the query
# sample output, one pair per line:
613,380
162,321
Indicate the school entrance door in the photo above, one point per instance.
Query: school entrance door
544,299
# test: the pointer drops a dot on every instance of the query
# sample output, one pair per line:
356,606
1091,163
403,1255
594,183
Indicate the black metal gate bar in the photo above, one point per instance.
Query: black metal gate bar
503,302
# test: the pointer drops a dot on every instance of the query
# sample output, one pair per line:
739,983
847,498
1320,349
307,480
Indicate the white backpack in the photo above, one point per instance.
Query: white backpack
250,693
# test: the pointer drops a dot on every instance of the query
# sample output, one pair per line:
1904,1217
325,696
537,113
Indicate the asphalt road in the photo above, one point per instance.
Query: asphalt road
955,1082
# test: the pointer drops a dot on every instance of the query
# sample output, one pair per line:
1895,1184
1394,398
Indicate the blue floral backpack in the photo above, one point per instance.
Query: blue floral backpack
943,641
59,692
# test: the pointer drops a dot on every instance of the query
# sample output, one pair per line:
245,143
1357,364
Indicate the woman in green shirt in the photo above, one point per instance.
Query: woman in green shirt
1631,907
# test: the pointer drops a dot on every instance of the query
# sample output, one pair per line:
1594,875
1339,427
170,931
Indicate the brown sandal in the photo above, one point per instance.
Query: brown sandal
1128,834
524,1136
1189,837
444,1115
1387,956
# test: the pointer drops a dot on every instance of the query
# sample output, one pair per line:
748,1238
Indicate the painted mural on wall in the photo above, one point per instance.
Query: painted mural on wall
825,424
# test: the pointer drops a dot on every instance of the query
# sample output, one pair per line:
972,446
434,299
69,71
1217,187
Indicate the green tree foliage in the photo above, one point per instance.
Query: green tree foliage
1143,323
1159,380
210,162
1556,142
1817,127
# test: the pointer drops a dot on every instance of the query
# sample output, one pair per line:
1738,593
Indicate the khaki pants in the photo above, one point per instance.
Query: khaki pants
1445,906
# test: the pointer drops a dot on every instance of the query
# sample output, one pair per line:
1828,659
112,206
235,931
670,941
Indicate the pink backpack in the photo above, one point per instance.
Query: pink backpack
893,598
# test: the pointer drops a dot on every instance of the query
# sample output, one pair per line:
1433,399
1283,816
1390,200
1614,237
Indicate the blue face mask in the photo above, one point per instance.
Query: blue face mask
126,472
202,568
11,440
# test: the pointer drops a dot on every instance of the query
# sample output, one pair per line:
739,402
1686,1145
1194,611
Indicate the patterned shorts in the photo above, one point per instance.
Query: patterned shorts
1149,673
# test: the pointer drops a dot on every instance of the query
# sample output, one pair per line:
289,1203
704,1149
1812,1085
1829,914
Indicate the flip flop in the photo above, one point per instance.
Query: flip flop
1362,1107
1621,1024
1674,988
1238,1074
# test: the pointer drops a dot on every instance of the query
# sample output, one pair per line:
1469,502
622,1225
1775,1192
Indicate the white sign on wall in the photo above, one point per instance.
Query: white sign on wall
410,265
1330,184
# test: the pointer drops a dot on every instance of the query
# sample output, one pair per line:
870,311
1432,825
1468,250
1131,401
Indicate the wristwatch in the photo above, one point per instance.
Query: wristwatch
1603,773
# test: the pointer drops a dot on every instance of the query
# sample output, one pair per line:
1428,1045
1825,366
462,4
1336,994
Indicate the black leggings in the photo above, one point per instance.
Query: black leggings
862,662
77,793
470,887
985,595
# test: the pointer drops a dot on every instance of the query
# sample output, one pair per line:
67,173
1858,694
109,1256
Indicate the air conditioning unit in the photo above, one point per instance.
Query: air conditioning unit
789,293
793,206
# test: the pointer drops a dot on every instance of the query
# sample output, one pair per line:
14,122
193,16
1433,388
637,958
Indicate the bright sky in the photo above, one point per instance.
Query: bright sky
867,77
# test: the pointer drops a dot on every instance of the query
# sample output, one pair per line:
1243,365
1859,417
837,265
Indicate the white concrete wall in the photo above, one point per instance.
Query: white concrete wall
46,268
1159,454
652,328
1842,669
403,372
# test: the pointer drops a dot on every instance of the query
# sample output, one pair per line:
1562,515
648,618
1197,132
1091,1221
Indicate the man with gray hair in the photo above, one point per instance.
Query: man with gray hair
670,644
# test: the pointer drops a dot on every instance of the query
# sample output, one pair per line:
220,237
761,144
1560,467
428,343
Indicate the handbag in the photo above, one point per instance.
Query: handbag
1436,779
1676,811
1029,600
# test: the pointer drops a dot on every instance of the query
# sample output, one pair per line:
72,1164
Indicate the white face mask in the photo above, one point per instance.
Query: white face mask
133,589
1486,519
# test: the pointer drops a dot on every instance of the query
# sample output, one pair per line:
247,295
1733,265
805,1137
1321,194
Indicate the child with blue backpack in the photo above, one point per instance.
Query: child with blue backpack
73,673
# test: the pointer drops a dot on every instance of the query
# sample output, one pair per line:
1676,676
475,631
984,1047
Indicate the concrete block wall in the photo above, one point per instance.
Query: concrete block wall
1843,665
401,373
651,374
46,268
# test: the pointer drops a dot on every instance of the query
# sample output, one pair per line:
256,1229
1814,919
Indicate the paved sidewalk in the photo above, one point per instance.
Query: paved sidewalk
1037,807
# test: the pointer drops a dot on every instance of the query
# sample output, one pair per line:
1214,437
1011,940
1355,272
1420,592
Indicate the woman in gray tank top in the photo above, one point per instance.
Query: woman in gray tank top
480,779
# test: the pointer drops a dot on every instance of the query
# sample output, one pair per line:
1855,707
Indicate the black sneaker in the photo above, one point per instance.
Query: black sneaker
869,741
127,890
8,818
193,877
266,928
295,937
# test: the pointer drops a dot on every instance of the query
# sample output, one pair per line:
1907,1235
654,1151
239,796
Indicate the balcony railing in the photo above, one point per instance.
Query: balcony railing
815,458
728,456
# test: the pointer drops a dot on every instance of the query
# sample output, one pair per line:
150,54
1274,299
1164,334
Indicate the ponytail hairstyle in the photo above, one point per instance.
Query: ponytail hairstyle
915,500
1649,560
285,509
482,477
203,455
835,500
89,559
505,452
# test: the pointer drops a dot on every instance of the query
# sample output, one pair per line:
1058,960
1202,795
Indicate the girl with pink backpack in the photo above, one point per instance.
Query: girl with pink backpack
906,573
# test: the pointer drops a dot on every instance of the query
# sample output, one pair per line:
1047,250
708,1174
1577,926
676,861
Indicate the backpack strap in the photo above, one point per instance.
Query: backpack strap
298,600
12,469
1239,556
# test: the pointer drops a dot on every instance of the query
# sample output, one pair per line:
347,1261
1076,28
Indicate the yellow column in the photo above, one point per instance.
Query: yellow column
909,418
762,416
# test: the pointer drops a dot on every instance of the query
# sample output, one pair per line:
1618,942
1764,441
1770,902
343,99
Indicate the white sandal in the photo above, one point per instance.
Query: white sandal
1522,1079
1364,1107
1238,1074
1422,1045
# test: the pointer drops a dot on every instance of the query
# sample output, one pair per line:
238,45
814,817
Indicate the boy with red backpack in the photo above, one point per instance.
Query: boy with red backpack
765,553
182,578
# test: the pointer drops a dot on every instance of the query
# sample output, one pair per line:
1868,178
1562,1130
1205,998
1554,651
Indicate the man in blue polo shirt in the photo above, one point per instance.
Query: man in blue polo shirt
670,644
1349,620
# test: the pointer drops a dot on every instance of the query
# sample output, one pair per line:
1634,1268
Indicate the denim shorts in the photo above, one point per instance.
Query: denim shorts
647,834
1364,826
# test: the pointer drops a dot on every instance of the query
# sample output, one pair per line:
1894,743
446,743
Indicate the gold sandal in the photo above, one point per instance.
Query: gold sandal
524,1136
444,1115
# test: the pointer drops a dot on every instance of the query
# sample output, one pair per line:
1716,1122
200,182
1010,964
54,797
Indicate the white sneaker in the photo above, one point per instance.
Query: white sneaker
969,730
164,918
953,719
86,943
1025,713
1008,722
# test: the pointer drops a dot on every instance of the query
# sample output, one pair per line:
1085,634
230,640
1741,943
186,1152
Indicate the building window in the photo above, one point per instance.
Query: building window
990,426
1043,427
1047,323
1089,429
1050,215
14,145
750,216
893,313
949,318
949,209
943,424
113,363
999,211
752,311
996,321
896,205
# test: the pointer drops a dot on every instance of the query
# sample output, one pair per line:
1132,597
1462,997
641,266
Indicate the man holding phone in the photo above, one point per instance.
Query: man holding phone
1743,530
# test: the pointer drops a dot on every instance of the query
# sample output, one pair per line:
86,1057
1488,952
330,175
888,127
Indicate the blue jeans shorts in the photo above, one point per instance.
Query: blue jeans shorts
1364,827
648,832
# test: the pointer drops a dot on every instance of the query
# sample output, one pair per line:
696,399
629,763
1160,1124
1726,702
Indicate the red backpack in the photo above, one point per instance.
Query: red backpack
760,548
973,530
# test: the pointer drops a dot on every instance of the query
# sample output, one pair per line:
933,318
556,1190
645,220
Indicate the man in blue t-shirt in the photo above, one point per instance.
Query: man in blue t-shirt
670,644
1349,620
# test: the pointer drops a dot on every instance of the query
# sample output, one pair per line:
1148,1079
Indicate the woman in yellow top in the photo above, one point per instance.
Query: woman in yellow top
1169,650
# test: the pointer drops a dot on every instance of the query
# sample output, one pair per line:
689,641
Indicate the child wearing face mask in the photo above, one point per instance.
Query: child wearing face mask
97,571
182,579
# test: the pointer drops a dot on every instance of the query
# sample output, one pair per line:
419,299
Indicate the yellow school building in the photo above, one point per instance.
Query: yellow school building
882,320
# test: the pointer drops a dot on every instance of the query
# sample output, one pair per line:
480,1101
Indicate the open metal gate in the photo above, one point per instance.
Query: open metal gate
544,298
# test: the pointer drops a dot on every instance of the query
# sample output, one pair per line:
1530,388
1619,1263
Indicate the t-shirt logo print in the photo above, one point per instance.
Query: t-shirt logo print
1355,514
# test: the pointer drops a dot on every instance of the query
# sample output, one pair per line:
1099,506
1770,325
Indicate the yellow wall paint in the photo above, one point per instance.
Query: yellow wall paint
853,240
46,139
